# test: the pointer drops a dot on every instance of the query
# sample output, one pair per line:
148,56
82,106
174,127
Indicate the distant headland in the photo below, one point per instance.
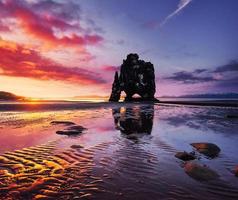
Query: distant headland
7,96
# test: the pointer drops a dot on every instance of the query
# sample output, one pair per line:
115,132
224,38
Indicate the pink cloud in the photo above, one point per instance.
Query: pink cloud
4,28
43,25
19,61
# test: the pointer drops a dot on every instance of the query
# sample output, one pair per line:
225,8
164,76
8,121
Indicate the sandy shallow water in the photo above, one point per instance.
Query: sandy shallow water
127,152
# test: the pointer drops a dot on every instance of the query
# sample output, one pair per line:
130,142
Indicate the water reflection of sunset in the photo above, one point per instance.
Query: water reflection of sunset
122,143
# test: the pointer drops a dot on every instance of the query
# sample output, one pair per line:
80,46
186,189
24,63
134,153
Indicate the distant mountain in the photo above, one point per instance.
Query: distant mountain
211,96
7,96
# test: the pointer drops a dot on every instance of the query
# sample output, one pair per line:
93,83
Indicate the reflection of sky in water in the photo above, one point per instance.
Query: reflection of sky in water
184,125
175,123
178,125
148,132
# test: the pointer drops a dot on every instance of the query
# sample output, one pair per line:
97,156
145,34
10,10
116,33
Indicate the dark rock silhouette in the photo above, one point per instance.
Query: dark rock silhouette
116,91
136,77
7,96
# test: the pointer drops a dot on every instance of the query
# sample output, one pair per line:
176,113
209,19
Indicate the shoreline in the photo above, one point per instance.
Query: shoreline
76,105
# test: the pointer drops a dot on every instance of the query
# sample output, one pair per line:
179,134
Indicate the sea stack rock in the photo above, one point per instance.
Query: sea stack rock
136,77
116,91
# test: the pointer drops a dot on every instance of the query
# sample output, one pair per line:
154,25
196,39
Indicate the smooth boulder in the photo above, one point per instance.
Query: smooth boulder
208,149
185,156
200,172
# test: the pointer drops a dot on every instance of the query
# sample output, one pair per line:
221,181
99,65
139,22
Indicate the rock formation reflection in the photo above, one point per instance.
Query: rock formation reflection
134,119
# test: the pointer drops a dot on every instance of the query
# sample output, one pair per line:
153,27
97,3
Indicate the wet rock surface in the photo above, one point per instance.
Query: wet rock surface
72,130
208,149
185,156
136,77
68,132
200,172
66,123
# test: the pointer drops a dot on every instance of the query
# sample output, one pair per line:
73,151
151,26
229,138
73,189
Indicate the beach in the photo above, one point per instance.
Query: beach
80,150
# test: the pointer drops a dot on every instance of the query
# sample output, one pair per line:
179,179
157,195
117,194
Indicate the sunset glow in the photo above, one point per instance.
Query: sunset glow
56,49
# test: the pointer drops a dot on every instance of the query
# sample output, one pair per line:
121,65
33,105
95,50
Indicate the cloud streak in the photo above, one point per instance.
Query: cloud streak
190,77
230,67
182,4
221,77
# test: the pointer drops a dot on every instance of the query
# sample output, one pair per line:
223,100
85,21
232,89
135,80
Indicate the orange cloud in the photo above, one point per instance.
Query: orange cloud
19,61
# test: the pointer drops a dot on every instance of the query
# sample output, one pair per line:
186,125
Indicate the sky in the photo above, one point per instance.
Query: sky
67,48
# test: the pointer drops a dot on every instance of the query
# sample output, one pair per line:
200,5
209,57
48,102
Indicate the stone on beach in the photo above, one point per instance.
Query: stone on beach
185,156
68,132
66,123
77,146
200,172
72,130
208,149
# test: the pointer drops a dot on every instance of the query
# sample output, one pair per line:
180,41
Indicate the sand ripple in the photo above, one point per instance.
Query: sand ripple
42,172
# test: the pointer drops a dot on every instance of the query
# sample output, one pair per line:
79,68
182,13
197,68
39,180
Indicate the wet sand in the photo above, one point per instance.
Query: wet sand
127,151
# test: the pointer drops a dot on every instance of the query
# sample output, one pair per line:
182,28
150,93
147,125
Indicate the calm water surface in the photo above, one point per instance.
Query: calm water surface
127,151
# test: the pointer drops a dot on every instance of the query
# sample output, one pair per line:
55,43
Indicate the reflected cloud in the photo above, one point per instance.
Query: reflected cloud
203,119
